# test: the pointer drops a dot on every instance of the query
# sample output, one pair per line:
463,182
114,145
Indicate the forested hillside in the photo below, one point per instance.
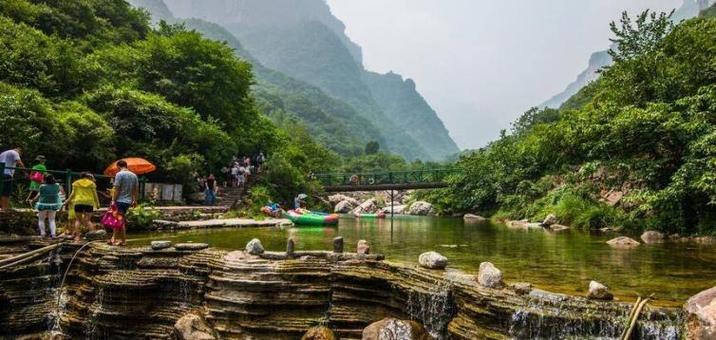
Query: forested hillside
85,82
636,148
598,60
303,40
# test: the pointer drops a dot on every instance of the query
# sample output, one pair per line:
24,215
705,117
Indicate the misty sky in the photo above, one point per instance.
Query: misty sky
481,63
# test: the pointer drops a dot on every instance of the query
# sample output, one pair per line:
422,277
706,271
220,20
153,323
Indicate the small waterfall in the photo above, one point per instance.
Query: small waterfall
434,308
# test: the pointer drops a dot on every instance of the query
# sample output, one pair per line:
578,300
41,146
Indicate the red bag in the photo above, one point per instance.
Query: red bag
112,218
37,177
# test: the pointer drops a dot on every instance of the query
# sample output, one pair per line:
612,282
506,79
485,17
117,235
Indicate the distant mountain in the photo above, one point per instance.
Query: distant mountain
157,8
689,9
304,41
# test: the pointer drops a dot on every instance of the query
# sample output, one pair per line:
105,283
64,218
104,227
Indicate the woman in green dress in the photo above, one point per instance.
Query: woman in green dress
36,180
49,202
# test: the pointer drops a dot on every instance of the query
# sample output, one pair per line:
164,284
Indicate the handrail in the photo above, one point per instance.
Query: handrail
68,175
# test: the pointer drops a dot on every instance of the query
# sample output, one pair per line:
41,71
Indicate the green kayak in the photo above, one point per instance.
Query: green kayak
308,218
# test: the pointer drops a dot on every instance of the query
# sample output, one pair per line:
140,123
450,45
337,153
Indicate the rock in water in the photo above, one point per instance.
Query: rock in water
319,333
343,207
421,208
337,198
623,242
489,276
394,329
159,245
432,260
598,291
363,247
338,244
701,315
190,246
96,235
522,288
473,218
558,227
290,247
549,220
193,327
254,247
652,236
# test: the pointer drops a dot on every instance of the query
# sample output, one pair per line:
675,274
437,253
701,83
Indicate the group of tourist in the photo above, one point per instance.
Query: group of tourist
47,196
236,174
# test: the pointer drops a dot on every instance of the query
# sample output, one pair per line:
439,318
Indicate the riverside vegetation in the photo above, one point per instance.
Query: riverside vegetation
635,148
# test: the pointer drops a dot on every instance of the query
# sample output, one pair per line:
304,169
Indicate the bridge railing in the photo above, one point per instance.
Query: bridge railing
384,178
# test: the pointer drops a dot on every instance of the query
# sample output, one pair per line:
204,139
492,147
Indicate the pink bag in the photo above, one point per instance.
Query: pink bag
112,218
37,177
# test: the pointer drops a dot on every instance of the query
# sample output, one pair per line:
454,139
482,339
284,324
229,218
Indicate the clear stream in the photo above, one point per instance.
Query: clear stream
562,262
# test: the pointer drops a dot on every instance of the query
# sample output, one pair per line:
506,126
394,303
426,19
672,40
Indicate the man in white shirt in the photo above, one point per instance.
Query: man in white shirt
11,159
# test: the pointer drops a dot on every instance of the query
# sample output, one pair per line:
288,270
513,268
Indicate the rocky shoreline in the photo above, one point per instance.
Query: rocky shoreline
402,203
175,291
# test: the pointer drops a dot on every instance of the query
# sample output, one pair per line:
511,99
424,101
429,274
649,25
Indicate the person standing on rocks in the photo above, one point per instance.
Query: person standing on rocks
11,158
83,201
210,190
49,199
126,193
37,175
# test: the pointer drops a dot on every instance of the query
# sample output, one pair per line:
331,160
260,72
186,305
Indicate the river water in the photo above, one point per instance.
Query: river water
561,262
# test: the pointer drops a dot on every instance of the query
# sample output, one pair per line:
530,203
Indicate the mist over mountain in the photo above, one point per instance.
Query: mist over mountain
598,60
301,41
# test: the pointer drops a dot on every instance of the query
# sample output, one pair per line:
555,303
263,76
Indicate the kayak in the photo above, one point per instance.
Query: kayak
305,217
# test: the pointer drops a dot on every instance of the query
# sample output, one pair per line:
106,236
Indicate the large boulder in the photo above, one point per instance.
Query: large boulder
432,260
319,333
254,247
471,218
337,198
363,247
652,236
193,327
598,291
623,242
489,276
394,329
344,207
421,208
398,209
368,206
701,315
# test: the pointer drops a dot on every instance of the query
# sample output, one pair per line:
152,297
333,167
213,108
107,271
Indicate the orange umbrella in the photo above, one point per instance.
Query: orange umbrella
139,166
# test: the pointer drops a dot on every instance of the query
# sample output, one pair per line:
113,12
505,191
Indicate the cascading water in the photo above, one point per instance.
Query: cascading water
434,308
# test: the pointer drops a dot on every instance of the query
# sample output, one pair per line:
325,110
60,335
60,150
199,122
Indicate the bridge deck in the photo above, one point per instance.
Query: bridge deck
380,187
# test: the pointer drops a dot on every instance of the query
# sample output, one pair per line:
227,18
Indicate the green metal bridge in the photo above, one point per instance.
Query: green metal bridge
389,180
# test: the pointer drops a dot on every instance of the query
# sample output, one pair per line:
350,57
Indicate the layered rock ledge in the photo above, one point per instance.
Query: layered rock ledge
142,293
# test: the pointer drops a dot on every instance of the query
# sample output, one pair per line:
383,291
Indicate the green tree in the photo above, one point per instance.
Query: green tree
634,38
372,148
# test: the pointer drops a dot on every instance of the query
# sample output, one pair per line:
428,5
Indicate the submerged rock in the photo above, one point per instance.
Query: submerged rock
190,246
598,291
193,327
623,242
398,209
363,248
421,208
394,329
489,276
549,220
319,333
96,235
705,240
473,218
701,315
652,236
254,247
159,245
558,227
432,260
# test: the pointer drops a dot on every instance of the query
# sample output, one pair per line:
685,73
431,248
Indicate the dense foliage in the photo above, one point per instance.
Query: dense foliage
85,82
636,148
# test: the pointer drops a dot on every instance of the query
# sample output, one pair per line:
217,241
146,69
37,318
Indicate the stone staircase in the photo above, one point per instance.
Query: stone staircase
232,196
